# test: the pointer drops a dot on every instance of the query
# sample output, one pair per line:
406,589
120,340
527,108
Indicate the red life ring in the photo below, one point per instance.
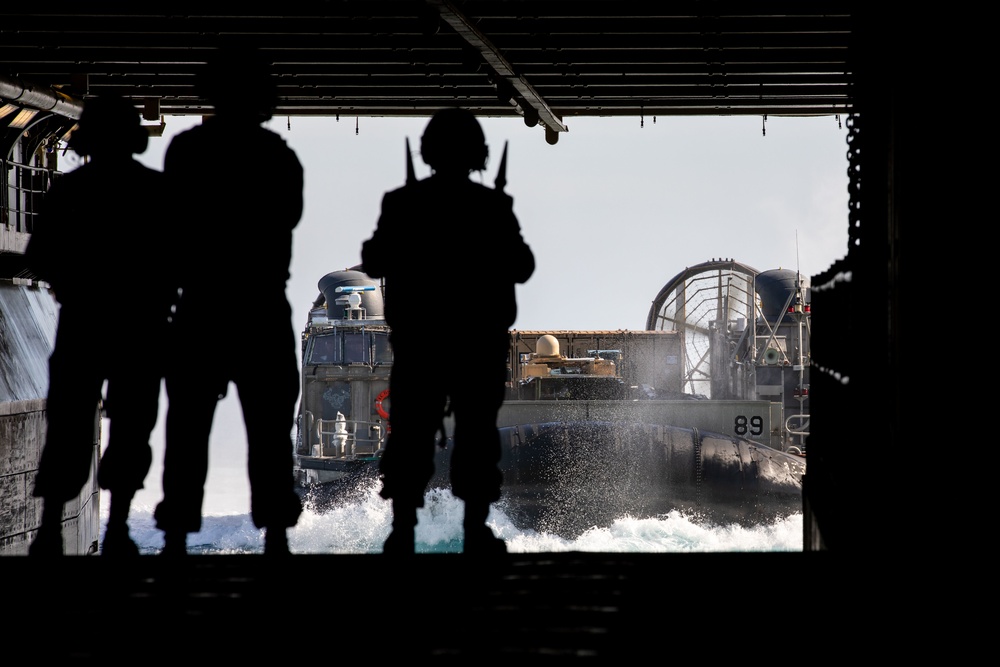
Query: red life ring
384,394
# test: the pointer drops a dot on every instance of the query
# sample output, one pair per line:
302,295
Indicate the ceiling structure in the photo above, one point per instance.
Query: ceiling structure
547,61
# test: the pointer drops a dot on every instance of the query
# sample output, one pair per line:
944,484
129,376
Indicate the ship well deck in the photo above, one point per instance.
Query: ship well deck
433,606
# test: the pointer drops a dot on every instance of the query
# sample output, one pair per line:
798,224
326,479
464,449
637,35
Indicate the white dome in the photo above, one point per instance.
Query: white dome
547,346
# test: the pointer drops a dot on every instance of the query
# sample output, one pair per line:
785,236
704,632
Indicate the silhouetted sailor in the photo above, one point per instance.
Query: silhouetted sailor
238,189
447,224
102,245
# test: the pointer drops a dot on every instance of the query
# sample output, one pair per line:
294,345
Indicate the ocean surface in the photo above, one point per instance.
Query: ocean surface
361,525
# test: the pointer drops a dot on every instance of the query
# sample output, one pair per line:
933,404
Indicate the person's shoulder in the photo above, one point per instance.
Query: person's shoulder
412,189
144,169
148,177
209,130
397,192
272,142
398,199
80,178
491,194
266,134
191,136
194,131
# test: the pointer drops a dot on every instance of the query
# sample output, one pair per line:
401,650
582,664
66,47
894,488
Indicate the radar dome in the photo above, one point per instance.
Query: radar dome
547,346
370,301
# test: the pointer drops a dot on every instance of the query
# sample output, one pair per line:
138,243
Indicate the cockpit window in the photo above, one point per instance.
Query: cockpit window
351,347
355,349
324,350
383,352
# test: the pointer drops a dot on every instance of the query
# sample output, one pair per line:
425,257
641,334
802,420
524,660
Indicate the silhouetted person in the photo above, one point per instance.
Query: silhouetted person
102,246
447,224
238,190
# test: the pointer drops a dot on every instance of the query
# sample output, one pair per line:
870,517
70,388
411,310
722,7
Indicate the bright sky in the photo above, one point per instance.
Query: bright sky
613,212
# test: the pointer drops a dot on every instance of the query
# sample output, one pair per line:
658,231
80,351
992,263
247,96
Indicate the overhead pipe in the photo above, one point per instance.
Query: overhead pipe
19,92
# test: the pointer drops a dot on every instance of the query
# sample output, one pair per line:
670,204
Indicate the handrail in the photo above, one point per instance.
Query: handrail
351,446
803,424
21,165
21,197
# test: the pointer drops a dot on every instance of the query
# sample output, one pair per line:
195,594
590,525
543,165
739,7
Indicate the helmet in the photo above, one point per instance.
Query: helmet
238,81
453,138
109,124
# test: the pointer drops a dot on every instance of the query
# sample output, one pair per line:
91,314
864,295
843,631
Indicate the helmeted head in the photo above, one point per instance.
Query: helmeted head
454,141
238,82
109,125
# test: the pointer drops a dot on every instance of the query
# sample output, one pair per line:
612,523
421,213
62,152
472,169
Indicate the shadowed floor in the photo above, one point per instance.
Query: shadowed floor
303,607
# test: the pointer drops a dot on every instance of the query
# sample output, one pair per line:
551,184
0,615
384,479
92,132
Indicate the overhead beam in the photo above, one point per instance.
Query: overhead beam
537,106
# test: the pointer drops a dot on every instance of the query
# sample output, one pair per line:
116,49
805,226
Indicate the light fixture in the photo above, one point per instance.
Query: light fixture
8,109
156,130
68,133
151,109
23,117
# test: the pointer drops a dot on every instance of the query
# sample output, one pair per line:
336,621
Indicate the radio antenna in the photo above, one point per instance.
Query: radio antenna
411,176
501,181
797,272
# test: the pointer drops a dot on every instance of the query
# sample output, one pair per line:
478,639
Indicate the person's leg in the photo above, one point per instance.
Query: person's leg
406,467
475,463
48,540
117,541
268,393
132,407
476,480
192,400
71,432
402,539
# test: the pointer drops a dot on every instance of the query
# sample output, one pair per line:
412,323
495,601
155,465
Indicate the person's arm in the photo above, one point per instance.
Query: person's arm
294,176
374,251
522,259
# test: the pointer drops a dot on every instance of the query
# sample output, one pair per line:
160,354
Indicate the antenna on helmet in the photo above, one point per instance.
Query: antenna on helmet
411,176
501,182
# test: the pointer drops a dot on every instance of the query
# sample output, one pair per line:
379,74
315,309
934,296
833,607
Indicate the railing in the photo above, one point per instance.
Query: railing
801,424
347,439
797,425
24,188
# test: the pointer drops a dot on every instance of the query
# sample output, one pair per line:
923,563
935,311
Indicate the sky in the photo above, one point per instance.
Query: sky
613,211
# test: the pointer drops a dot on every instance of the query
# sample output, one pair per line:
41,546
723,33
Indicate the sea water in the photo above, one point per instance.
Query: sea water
361,525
